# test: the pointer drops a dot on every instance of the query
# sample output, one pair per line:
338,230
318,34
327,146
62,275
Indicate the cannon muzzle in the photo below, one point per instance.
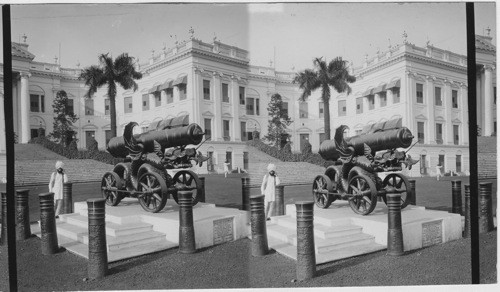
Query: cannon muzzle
172,137
377,141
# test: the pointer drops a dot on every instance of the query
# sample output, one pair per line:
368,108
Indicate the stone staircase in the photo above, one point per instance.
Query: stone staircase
487,157
34,164
290,173
333,239
126,237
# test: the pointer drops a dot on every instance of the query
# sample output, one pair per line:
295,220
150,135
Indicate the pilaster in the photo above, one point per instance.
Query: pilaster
488,101
218,131
429,100
235,99
447,103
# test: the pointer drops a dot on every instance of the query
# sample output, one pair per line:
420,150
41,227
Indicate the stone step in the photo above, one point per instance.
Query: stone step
82,249
323,228
112,229
114,243
290,251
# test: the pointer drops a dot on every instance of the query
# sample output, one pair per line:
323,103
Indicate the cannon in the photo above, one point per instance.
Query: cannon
147,158
357,162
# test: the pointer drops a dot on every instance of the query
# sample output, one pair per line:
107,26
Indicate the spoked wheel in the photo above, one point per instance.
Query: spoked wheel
333,173
155,189
397,183
110,184
320,191
363,194
186,180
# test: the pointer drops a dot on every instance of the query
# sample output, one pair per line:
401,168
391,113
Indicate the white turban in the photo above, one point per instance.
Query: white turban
59,164
270,167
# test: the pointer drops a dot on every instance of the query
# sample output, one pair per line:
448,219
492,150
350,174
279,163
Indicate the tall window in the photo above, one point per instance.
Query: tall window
437,96
70,107
157,95
456,136
342,108
383,98
454,98
458,161
359,105
242,95
371,102
494,95
257,106
321,138
170,95
206,89
37,103
182,91
89,107
225,128
423,164
303,109
395,95
250,106
106,106
439,133
225,92
145,102
128,104
441,161
208,129
243,130
321,110
284,108
420,93
420,132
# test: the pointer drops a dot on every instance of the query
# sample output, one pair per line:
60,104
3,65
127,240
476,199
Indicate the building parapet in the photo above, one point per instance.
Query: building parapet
431,52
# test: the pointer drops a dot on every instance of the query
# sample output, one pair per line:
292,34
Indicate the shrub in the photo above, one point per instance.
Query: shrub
288,156
72,153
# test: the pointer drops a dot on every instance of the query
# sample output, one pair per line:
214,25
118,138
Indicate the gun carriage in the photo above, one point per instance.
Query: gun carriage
147,157
357,162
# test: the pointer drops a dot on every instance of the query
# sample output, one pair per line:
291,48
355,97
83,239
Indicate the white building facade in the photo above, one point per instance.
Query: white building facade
215,85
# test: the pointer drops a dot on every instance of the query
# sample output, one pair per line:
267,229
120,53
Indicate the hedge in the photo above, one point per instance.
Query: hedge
287,156
70,153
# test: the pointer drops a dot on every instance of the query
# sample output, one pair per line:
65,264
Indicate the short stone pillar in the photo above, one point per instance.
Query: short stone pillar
245,193
279,203
98,253
23,215
485,208
187,242
456,197
3,238
306,256
413,188
467,231
395,228
201,195
48,224
67,202
258,226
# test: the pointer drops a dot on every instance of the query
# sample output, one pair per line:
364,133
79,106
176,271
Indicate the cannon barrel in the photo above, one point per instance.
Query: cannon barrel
186,135
381,140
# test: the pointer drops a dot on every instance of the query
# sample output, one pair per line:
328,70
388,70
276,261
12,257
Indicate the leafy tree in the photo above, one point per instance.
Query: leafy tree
279,120
109,72
63,132
334,74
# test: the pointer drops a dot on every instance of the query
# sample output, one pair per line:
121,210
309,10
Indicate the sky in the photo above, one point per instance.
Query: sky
288,35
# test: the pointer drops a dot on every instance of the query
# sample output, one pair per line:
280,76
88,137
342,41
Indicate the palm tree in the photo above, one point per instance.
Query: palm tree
109,72
335,74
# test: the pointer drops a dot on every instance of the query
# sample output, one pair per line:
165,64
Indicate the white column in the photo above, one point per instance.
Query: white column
407,98
488,101
479,102
429,99
446,97
235,99
218,131
197,97
24,135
